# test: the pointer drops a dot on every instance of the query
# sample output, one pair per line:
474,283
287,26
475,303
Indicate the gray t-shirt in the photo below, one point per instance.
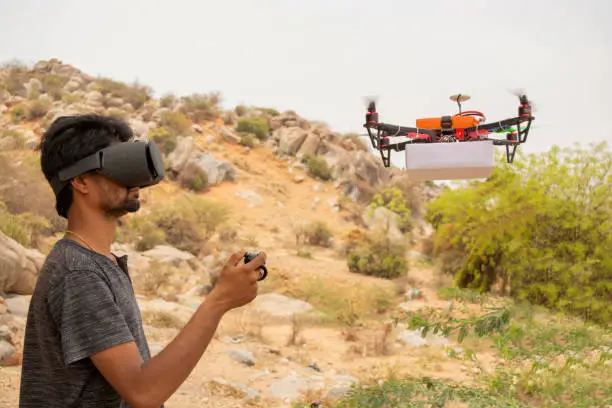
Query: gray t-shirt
83,303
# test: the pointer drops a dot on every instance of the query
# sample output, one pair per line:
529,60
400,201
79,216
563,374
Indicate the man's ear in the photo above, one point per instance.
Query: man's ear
81,184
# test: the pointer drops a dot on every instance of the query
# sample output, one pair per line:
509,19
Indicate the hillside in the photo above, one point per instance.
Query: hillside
349,244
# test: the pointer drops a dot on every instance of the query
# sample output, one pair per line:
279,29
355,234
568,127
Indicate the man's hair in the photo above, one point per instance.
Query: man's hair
72,138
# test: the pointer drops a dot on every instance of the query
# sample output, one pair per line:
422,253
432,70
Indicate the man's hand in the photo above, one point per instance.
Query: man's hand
237,284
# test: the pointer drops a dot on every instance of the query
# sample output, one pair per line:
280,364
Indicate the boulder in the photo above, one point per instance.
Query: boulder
19,267
186,152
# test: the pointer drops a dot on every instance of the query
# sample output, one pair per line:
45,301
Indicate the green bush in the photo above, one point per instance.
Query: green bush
269,111
14,175
257,126
189,222
53,85
317,167
193,177
247,139
18,114
167,101
165,138
540,227
176,123
240,110
377,255
394,200
199,107
25,228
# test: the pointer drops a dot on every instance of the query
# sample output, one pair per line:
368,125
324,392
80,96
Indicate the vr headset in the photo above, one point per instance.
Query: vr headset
130,164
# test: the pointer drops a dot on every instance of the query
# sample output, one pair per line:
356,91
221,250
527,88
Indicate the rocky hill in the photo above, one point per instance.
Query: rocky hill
317,201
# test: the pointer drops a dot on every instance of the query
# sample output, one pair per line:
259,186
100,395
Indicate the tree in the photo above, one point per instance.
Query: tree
543,223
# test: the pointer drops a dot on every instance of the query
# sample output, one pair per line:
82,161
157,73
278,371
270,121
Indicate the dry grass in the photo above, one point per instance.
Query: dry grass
245,323
161,319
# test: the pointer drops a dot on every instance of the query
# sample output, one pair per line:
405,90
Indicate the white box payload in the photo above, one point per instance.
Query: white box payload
450,161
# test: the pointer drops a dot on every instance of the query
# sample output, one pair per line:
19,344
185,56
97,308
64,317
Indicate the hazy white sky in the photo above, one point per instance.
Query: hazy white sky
321,57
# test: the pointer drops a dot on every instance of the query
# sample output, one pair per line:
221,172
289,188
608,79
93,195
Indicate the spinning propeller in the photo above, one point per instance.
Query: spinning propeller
522,95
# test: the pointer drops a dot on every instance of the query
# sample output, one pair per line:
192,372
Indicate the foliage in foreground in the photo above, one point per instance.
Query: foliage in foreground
546,361
541,226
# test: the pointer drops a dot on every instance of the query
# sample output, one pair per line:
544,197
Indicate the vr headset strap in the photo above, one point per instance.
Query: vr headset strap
89,163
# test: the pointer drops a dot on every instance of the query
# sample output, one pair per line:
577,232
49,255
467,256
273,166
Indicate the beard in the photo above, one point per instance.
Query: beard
117,209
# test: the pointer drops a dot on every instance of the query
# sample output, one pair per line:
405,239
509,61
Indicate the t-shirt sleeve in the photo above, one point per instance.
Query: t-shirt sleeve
86,315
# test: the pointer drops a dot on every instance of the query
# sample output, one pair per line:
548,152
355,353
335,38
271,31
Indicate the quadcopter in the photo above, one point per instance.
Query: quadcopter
462,127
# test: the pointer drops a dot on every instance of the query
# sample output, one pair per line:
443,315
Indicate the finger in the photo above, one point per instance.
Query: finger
258,261
235,258
254,276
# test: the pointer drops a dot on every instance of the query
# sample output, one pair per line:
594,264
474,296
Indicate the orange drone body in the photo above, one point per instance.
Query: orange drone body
457,122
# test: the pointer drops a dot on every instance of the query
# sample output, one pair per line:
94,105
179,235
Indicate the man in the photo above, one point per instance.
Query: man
84,343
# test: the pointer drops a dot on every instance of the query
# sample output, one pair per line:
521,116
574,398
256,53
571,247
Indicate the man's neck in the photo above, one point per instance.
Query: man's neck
93,231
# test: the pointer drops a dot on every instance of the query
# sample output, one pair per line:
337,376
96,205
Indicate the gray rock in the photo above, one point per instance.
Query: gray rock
241,356
19,267
279,305
338,392
5,333
94,99
169,255
6,351
250,394
17,305
383,218
289,387
251,196
413,338
216,170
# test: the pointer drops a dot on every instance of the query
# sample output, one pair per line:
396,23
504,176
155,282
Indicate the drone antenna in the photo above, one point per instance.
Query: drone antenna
459,98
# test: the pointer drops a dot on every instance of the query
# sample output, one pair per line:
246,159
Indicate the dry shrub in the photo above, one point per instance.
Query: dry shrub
201,107
193,177
297,324
20,182
243,322
36,109
348,305
16,77
161,319
134,94
314,233
176,123
53,85
25,228
187,223
156,277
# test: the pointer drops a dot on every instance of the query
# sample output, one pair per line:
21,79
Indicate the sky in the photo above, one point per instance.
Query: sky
322,57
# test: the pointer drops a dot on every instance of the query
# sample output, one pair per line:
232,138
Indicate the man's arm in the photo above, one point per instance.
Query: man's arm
148,384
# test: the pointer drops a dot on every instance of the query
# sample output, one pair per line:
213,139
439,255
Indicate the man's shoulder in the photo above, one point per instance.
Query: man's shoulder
65,258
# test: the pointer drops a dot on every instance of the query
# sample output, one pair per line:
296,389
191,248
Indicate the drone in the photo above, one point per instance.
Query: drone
462,127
